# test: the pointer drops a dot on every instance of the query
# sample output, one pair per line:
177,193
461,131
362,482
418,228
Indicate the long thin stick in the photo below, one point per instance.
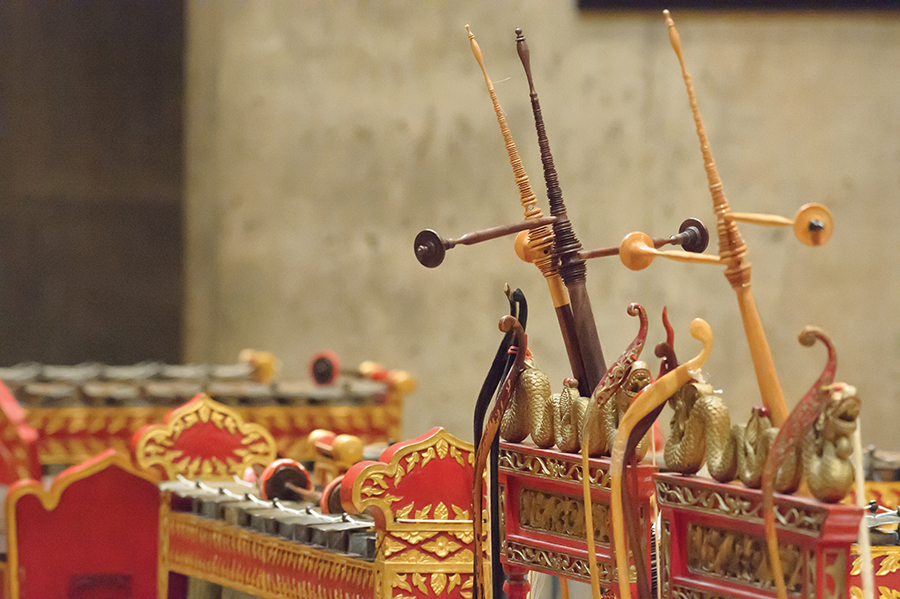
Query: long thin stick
733,252
540,239
567,246
865,544
651,397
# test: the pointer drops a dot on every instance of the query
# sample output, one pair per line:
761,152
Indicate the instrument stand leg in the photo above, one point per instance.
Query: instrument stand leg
517,586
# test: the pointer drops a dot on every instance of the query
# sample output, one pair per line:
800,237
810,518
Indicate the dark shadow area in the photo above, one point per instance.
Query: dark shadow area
91,181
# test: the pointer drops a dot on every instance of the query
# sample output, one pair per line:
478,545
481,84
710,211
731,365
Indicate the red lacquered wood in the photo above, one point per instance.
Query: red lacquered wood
203,438
823,533
517,585
19,451
419,493
100,517
559,474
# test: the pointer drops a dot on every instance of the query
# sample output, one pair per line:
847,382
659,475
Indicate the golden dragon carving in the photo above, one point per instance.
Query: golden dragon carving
701,432
557,419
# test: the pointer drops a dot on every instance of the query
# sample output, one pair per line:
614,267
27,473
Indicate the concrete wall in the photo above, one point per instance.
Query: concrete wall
321,137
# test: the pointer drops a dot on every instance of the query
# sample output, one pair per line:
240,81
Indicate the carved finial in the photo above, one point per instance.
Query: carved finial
540,239
525,57
476,50
732,248
567,246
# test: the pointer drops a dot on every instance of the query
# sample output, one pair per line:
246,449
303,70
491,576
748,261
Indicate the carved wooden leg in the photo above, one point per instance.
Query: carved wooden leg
517,585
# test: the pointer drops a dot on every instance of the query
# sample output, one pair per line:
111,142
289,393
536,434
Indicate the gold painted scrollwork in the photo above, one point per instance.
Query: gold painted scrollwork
371,486
741,558
561,515
157,445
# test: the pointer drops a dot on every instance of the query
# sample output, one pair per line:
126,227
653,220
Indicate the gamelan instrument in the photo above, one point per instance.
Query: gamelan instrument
77,411
406,527
605,517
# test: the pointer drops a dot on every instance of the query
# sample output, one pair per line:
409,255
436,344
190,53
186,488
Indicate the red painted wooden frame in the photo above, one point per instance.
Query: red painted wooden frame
203,438
18,442
95,530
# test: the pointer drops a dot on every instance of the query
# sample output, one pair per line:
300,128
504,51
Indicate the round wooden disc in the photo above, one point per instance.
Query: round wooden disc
632,251
813,224
325,367
331,497
697,243
272,480
429,248
521,245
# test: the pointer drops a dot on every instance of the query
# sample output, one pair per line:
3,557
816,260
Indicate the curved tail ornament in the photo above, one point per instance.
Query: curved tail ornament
507,323
614,378
611,381
652,396
789,436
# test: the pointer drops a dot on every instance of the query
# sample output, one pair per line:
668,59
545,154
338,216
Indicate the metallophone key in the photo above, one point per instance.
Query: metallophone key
237,504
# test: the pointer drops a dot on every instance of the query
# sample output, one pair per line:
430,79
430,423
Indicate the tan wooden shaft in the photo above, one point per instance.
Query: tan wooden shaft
766,376
733,252
768,220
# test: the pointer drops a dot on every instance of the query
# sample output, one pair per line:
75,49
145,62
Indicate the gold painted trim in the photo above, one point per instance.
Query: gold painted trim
50,499
415,455
889,565
162,555
740,503
203,409
220,539
561,468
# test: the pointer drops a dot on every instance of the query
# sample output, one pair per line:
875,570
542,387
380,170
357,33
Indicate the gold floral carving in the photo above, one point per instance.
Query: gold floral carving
883,593
442,547
157,445
438,582
557,563
414,537
551,468
71,435
890,563
665,552
502,511
465,536
391,546
739,503
561,515
370,488
431,584
741,558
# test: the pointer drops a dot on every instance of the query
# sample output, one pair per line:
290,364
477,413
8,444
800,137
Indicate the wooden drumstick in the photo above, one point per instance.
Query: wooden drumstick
692,236
285,477
538,248
566,244
732,253
638,250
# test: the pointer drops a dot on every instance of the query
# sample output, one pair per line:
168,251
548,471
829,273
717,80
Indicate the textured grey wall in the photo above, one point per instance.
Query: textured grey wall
321,137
